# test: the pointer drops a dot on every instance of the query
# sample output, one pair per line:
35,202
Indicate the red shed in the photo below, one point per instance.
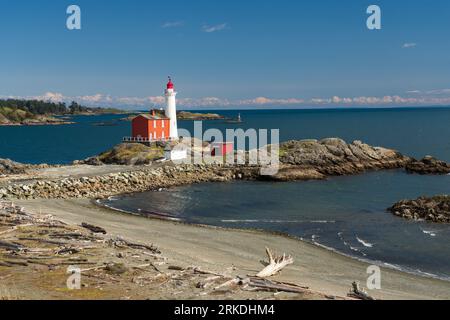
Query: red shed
221,148
150,128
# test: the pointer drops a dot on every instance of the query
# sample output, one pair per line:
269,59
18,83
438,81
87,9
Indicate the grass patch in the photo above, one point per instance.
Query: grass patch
132,153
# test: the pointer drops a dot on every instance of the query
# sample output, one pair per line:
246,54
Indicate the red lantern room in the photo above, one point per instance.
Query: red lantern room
170,84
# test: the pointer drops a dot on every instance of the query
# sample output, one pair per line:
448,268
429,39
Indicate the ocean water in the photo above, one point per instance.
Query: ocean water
416,132
346,214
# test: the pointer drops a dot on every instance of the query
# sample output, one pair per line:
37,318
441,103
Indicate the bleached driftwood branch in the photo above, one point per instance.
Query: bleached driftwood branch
357,292
276,264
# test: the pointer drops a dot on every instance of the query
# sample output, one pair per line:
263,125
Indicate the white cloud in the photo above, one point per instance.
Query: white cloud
215,28
439,91
413,91
260,101
96,98
51,96
432,97
409,45
173,24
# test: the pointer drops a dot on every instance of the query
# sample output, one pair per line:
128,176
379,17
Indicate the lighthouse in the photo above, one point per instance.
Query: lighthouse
171,109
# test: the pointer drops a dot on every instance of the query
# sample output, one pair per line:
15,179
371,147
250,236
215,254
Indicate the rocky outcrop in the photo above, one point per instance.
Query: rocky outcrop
428,165
435,209
91,161
129,154
300,160
10,167
184,115
334,156
294,173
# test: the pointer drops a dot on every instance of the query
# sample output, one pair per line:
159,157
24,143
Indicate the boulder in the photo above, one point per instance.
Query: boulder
333,156
435,209
428,165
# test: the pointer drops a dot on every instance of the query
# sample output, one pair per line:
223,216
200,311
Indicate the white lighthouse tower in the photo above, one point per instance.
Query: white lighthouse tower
171,109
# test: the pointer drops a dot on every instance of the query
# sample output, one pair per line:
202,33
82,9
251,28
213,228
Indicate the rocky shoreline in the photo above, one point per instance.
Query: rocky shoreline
433,209
38,121
299,160
124,182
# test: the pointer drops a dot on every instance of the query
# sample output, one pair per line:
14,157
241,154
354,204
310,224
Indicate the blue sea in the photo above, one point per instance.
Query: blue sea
345,214
416,132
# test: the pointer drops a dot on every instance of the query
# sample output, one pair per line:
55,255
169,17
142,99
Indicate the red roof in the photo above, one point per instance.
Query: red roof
152,117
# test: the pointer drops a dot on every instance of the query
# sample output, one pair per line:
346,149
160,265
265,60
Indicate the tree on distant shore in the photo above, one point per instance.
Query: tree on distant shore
35,107
16,110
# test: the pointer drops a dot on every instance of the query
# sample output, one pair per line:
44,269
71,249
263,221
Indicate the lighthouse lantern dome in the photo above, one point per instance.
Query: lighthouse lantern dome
170,84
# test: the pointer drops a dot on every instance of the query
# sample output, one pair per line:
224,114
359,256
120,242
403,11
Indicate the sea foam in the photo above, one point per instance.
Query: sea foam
364,243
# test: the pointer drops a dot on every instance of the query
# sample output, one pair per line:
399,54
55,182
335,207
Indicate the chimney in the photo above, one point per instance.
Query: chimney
153,112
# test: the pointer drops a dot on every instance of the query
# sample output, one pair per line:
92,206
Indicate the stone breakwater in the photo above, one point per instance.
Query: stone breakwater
434,209
125,182
300,160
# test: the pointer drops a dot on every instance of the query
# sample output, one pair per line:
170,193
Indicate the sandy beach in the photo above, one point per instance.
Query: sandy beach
219,249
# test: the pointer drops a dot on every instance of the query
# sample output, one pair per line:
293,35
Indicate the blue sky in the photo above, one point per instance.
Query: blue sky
227,53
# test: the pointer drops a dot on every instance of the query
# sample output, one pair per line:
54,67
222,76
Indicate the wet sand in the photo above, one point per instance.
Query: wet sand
219,249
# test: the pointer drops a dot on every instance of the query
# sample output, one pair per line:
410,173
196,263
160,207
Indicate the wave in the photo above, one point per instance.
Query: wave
313,240
394,266
322,221
364,243
430,233
340,235
427,274
139,212
272,221
364,259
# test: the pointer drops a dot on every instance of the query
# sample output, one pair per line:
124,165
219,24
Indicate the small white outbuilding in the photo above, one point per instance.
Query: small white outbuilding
175,154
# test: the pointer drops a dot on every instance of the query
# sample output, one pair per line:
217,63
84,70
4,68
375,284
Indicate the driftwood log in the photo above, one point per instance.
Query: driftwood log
359,293
276,264
94,229
268,285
